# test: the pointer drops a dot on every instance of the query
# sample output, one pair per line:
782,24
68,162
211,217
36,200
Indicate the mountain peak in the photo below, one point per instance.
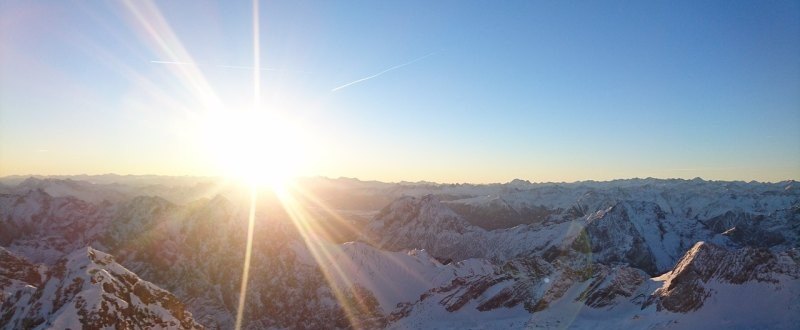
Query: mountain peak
88,289
519,182
688,285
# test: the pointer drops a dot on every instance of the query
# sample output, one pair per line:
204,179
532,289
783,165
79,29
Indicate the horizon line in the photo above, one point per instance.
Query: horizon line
221,177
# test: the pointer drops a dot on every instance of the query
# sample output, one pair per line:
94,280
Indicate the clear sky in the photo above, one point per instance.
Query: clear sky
447,91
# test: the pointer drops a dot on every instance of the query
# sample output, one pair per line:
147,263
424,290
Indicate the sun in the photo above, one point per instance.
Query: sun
255,147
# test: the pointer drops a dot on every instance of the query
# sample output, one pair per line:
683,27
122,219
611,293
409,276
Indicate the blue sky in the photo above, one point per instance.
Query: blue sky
540,90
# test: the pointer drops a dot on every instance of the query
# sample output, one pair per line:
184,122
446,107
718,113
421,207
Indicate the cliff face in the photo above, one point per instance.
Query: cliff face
686,287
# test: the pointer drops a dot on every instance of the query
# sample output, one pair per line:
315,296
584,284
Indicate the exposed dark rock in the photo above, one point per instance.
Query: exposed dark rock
611,283
685,287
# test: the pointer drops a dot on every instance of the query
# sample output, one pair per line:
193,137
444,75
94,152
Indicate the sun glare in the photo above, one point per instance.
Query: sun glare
255,147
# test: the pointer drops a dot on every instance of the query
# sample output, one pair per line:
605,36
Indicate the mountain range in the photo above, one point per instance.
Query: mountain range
167,252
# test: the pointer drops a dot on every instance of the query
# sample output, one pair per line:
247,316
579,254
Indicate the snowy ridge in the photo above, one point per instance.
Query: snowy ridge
638,233
619,254
87,288
684,287
426,223
643,235
395,277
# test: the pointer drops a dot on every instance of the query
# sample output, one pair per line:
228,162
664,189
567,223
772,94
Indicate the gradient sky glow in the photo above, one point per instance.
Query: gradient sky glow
539,90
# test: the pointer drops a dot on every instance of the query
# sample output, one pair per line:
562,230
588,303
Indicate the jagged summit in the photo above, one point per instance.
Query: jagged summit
687,286
423,223
638,253
87,288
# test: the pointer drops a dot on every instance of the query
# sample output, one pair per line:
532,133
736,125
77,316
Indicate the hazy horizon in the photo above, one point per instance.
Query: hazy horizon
222,177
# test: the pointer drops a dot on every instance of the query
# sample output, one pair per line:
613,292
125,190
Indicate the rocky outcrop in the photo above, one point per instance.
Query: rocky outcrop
88,289
610,284
759,230
614,237
640,235
425,223
14,268
532,283
685,288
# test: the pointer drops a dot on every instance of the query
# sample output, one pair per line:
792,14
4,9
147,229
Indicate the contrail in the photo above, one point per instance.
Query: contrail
382,72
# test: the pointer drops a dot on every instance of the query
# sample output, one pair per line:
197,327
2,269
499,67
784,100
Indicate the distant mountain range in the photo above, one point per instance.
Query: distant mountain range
167,252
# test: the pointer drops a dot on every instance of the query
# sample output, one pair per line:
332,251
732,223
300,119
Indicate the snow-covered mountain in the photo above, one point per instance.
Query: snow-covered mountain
84,289
640,253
